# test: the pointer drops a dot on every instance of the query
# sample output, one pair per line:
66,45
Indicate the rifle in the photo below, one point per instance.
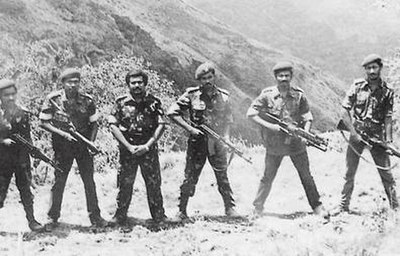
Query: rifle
311,139
370,141
34,151
74,133
207,130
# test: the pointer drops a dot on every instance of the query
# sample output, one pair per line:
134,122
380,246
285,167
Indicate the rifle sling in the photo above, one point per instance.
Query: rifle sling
363,158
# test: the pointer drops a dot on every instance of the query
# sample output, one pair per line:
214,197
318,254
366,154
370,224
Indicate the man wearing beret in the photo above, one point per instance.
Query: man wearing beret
15,159
368,107
289,104
58,110
207,104
137,123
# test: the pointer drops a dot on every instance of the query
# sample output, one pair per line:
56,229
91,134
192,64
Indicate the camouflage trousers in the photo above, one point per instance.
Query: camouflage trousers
150,169
302,165
199,150
19,165
381,158
64,157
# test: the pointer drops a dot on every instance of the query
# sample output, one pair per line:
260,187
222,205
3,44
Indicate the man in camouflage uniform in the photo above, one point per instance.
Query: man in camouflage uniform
59,109
15,159
289,104
136,122
368,108
207,104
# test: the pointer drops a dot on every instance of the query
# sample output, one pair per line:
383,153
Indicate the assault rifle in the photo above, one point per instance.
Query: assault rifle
34,151
311,139
207,130
370,141
74,133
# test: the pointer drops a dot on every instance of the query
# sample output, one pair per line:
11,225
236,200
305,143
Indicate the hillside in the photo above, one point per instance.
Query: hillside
332,34
171,35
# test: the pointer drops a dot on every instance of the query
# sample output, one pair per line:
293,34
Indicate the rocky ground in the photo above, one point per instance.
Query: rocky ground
288,226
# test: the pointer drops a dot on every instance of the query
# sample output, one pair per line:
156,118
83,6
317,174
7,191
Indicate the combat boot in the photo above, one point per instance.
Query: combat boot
231,212
98,221
35,226
182,214
32,223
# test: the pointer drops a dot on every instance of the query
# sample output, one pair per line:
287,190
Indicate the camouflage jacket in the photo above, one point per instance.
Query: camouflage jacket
368,105
137,120
14,122
214,111
81,112
292,109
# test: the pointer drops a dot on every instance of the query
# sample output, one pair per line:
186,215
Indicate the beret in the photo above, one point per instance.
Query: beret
6,83
70,73
371,58
203,69
282,65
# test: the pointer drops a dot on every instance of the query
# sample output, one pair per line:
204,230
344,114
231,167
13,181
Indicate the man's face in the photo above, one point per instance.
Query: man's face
373,71
136,85
207,80
71,85
8,97
283,78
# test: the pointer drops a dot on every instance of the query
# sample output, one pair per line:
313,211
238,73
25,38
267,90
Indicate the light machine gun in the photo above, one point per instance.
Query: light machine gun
207,130
34,151
74,133
370,141
311,139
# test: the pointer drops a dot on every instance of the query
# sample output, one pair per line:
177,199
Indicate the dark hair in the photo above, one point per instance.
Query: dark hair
136,73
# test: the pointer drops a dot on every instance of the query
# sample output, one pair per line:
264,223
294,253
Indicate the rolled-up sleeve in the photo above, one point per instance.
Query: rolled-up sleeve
47,110
389,104
93,114
304,110
349,99
182,104
114,117
259,103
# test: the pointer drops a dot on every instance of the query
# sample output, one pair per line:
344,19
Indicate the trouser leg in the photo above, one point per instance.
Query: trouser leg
352,161
219,163
23,180
126,179
195,159
272,164
150,168
86,171
302,165
381,158
64,161
5,178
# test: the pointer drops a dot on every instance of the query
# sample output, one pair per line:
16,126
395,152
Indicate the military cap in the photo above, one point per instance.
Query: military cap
282,65
135,73
203,69
372,58
70,73
6,83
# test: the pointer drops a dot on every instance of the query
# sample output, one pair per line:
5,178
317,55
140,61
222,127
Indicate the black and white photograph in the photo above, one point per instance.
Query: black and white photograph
199,127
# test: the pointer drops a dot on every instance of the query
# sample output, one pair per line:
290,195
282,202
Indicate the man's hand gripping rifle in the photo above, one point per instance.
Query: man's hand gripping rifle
74,133
370,141
310,138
